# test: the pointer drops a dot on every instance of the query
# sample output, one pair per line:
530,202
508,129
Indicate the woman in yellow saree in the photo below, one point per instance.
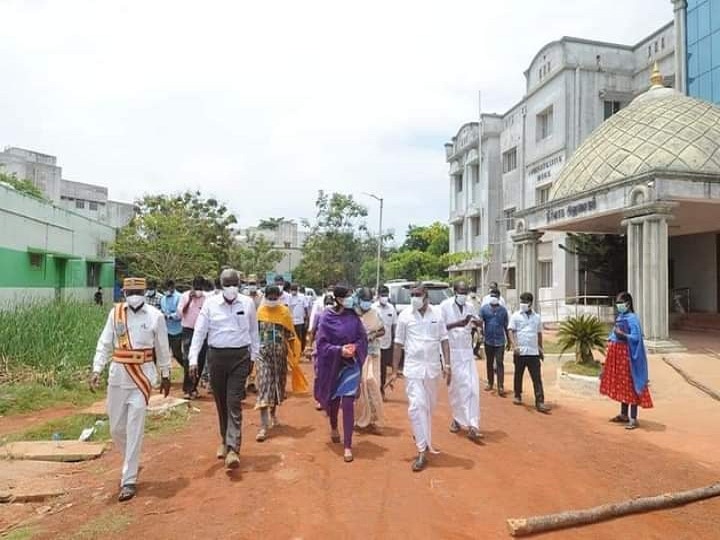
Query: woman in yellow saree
279,351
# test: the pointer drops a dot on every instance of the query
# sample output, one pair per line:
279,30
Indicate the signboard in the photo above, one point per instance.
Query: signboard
571,210
546,169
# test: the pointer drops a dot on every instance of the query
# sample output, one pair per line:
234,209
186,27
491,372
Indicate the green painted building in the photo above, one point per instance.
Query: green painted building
47,252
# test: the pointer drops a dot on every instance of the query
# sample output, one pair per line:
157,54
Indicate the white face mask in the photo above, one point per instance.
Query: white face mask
135,301
383,300
231,292
417,302
272,303
494,301
524,308
151,292
460,299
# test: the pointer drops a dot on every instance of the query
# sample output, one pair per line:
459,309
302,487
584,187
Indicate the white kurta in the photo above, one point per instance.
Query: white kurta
125,403
464,390
421,336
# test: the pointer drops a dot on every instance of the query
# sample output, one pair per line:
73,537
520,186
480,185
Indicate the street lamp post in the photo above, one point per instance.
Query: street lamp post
379,242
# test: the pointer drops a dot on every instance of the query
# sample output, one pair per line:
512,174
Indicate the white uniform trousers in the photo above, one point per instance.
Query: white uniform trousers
126,409
422,398
464,391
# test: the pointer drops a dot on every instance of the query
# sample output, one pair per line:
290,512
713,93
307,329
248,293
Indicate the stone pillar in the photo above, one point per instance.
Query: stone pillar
647,245
680,9
526,247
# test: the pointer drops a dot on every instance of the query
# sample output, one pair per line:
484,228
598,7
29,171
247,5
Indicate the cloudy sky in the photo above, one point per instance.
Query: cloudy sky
264,103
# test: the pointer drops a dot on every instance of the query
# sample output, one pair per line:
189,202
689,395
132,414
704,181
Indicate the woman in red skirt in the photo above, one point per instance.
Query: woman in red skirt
625,376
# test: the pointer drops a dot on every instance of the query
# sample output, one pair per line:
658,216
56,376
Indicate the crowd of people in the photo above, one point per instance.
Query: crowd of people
239,336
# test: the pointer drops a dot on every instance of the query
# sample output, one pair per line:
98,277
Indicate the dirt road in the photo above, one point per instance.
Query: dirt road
296,485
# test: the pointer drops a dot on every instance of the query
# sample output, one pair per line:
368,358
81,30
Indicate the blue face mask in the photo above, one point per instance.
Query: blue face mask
365,305
621,307
349,302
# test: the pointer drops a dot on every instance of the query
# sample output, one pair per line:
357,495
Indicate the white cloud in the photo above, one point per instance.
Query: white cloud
264,103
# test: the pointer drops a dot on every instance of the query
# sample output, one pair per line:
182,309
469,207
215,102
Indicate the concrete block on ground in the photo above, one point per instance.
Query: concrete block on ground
32,481
159,404
64,451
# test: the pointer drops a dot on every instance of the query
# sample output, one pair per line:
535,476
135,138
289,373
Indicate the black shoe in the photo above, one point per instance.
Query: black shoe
127,492
517,401
420,462
542,408
454,427
501,391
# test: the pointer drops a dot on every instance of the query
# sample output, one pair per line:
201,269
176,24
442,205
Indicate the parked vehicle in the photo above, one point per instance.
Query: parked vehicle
400,292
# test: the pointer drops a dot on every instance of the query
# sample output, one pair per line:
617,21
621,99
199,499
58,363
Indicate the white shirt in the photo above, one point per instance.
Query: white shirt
226,326
147,330
459,338
486,300
285,298
421,335
315,312
527,326
389,317
297,307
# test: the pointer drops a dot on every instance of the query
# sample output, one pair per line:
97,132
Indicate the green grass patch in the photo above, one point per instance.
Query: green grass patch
590,370
112,521
21,533
70,427
25,397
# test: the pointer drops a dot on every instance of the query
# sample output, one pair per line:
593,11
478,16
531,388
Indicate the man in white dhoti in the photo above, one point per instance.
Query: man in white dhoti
422,334
459,318
134,338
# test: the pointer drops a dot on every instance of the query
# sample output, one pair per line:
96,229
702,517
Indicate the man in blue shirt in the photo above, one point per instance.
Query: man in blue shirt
169,304
495,321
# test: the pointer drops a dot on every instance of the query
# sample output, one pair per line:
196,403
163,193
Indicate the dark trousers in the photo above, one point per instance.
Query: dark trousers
633,410
229,369
533,365
386,356
300,331
494,355
190,385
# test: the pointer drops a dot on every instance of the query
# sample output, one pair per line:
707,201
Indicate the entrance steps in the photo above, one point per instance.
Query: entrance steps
698,322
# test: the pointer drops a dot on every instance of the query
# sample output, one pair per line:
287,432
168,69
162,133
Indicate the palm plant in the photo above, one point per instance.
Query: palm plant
584,333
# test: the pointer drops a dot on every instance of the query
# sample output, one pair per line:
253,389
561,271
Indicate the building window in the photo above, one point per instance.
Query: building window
476,226
458,184
546,274
36,260
509,160
93,274
509,218
79,203
544,124
93,205
662,43
458,231
543,194
510,277
610,108
475,171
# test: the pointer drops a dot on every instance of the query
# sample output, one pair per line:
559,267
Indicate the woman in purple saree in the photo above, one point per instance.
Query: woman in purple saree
341,349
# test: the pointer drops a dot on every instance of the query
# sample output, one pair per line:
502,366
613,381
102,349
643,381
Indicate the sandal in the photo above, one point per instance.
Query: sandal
127,492
335,437
348,456
619,419
261,435
632,424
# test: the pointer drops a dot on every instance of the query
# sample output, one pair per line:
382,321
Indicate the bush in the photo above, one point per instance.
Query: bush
51,343
585,334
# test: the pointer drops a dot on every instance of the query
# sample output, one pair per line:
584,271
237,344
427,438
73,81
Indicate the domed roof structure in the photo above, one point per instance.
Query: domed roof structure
661,130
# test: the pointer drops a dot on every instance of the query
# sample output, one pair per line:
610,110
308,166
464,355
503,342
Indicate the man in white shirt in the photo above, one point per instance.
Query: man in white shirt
298,308
229,322
135,334
389,316
494,291
421,333
460,318
527,341
284,294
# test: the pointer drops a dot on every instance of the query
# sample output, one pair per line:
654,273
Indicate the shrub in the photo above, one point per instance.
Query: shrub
585,334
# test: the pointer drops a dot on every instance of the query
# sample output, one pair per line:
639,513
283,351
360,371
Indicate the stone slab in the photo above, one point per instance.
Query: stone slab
32,481
64,451
158,405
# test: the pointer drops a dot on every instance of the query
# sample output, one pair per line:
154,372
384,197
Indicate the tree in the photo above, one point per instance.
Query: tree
584,334
255,256
603,255
434,238
337,244
23,186
271,224
176,237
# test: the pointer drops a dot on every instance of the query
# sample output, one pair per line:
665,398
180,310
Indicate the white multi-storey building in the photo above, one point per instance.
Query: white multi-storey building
572,86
